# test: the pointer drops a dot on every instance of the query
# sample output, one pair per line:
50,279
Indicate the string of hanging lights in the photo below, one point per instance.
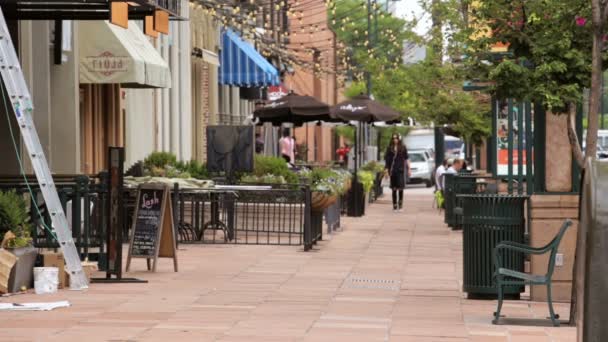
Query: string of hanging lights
297,52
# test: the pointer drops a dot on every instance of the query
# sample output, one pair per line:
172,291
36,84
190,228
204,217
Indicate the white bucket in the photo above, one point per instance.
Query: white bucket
46,279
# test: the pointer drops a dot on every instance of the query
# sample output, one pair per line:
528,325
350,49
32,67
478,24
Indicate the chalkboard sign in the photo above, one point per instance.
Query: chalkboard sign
153,229
147,222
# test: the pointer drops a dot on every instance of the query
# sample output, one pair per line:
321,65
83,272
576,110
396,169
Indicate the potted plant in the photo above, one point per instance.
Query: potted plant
366,178
15,230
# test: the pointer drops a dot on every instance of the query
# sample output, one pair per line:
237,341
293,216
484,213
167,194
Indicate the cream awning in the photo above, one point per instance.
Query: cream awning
112,54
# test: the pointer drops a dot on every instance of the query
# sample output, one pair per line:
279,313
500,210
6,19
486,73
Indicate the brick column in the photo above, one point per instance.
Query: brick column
548,214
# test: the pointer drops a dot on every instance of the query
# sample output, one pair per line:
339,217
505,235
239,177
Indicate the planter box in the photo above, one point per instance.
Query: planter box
22,273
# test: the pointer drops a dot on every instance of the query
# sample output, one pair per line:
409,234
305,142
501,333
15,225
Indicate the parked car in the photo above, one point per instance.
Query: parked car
422,168
600,154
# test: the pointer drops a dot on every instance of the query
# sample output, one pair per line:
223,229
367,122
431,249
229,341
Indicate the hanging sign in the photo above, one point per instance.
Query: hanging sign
119,14
149,27
161,22
276,92
153,232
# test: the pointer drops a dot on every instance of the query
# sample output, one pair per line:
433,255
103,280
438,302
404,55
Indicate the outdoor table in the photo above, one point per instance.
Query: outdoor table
215,222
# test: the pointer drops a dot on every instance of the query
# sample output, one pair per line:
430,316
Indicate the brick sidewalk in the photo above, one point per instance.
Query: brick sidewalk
386,277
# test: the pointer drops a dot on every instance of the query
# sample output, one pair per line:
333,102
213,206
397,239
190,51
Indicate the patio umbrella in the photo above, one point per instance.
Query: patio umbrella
363,109
293,108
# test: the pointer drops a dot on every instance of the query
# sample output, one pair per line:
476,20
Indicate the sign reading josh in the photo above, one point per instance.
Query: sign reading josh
153,232
107,64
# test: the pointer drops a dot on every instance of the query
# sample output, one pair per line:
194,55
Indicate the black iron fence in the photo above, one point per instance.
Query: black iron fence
84,200
276,216
281,215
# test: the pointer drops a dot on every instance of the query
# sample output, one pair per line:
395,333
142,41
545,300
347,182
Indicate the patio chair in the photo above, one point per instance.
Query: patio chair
506,277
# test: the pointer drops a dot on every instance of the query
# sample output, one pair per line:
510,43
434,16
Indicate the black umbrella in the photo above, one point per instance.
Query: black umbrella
363,109
293,108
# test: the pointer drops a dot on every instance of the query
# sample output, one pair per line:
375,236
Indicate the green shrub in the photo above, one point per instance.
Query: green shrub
160,160
14,217
373,167
366,178
193,169
265,165
165,164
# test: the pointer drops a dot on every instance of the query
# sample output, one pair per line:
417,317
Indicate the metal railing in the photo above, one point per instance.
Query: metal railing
84,200
278,216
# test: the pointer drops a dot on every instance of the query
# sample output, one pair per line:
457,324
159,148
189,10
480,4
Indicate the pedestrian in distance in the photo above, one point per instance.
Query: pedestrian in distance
396,163
259,143
286,146
456,166
439,174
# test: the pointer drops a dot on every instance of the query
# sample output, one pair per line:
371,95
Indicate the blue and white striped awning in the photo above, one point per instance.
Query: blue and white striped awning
242,66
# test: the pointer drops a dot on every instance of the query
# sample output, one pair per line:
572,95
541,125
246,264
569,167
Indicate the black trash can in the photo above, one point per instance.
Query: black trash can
463,184
455,185
488,220
449,199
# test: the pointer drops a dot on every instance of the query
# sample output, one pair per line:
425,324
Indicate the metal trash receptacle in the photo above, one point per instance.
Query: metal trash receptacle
488,220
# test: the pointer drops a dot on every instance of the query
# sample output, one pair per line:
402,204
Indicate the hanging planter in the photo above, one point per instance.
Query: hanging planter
322,200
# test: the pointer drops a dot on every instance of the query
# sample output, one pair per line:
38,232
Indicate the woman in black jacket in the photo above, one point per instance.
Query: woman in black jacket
396,162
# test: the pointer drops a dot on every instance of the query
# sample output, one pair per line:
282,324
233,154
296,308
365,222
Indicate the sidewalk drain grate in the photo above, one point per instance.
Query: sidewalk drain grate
383,284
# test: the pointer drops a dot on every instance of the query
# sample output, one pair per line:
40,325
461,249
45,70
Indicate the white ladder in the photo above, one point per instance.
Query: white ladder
20,100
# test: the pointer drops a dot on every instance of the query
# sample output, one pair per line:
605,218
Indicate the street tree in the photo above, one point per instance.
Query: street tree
429,91
554,53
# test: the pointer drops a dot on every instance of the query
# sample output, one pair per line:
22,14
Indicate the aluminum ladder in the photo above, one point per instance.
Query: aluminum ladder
20,99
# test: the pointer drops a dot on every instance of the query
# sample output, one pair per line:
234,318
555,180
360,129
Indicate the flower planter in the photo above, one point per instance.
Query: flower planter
22,273
321,201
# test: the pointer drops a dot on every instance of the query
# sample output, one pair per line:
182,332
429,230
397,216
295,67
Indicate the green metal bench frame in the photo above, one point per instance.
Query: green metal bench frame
507,277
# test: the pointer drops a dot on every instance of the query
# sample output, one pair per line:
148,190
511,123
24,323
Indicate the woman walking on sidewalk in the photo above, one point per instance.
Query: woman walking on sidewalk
396,162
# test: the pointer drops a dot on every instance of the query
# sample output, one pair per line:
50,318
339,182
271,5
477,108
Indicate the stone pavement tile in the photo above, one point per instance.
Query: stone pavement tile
94,334
327,333
562,334
428,327
429,293
486,338
362,300
343,308
29,334
258,338
401,338
181,334
529,336
49,323
429,283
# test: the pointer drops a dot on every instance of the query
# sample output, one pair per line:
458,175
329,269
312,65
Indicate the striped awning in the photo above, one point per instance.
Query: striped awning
242,66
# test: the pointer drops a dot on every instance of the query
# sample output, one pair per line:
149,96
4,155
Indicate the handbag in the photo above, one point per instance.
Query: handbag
386,181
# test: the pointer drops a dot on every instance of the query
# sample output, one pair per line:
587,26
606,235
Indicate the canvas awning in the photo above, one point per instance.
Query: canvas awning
241,65
110,54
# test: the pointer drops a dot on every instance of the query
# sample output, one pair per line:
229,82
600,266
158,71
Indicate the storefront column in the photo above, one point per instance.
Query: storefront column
65,111
185,94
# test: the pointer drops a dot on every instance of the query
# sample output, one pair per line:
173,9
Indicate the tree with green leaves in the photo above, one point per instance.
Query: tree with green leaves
369,50
553,48
429,91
